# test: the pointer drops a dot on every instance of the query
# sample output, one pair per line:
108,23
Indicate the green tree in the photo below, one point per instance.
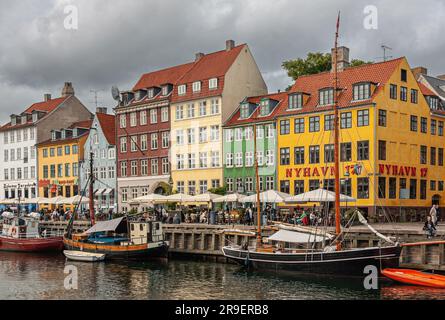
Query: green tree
314,63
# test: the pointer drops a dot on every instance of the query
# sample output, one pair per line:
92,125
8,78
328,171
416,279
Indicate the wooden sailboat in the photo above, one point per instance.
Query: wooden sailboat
313,258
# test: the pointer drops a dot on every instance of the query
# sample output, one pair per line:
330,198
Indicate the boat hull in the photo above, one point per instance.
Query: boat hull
348,262
31,245
158,250
89,257
416,278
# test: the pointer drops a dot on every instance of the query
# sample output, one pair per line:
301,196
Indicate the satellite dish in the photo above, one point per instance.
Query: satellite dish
115,93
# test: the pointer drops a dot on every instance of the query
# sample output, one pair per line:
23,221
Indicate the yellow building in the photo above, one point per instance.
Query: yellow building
202,100
59,161
392,143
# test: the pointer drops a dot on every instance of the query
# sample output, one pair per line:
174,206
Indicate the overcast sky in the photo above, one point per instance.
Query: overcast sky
117,41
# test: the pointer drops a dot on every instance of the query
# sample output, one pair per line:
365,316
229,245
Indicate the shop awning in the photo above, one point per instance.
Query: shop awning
107,191
104,226
98,192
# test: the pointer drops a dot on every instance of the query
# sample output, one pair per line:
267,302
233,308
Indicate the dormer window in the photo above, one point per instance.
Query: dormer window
182,89
295,101
264,107
75,133
326,97
151,93
197,86
361,91
213,83
53,135
13,121
24,119
244,111
63,134
433,102
35,117
140,94
165,90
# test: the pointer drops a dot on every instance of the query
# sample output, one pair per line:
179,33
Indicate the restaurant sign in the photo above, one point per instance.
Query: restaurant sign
402,171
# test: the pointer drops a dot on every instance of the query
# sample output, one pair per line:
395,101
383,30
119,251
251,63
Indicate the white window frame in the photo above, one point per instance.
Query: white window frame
213,83
182,89
196,87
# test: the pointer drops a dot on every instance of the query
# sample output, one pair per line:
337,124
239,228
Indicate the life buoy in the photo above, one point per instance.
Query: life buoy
13,231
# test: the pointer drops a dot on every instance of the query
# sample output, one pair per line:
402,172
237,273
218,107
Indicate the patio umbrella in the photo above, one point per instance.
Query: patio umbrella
39,200
179,197
75,200
234,197
56,200
148,199
270,196
206,197
8,215
319,195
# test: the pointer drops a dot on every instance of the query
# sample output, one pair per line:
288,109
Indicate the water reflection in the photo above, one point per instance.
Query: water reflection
24,276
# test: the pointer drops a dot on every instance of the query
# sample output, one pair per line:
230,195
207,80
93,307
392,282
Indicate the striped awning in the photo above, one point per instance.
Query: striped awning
107,191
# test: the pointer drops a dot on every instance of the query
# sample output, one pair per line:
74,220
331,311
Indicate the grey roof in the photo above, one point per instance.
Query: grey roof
436,83
104,226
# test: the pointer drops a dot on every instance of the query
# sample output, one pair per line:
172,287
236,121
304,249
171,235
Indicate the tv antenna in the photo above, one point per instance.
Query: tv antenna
96,101
116,93
385,48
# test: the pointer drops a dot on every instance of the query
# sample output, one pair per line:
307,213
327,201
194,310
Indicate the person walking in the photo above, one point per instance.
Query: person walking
429,227
433,215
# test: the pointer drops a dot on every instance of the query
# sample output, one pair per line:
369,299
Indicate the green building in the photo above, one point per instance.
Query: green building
238,144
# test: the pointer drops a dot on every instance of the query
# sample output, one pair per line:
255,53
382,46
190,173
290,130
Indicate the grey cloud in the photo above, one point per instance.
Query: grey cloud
117,41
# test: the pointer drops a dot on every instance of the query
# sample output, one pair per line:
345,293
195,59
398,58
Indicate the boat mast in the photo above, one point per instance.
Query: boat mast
91,189
257,177
336,142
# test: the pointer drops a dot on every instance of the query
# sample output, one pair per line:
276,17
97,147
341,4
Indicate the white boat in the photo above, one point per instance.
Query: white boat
84,256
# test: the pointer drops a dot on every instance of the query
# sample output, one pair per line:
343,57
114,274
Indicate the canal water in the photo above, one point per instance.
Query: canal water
25,276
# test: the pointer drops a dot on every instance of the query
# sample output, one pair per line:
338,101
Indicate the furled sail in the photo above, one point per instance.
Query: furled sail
363,221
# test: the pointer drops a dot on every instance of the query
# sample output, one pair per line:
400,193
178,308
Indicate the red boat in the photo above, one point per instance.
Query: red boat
414,277
24,235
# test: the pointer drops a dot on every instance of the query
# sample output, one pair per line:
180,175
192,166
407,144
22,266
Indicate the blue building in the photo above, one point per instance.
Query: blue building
101,143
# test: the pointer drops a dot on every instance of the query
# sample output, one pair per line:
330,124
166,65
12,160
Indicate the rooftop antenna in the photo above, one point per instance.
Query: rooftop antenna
95,96
385,48
116,93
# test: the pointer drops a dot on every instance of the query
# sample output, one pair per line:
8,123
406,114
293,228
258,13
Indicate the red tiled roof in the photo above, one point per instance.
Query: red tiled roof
44,106
235,120
377,73
212,65
107,123
81,124
160,77
425,90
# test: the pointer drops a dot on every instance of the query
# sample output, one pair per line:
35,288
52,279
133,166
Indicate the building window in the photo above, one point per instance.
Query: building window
363,188
144,167
259,132
393,91
440,129
153,116
229,184
432,185
215,183
414,96
154,167
164,114
165,166
329,122
248,133
423,125
440,157
403,94
196,87
285,186
423,154
382,118
382,187
314,185
346,187
182,89
363,150
314,124
249,184
134,143
362,118
326,97
144,145
298,187
179,112
346,120
299,125
191,136
165,90
413,125
214,106
329,184
111,172
191,110
214,133
295,101
123,168
270,183
433,127
314,154
260,158
392,188
213,83
229,160
202,108
192,188
299,155
433,156
239,159
123,143
134,168
382,150
423,187
214,159
191,161
284,127
413,189
403,75
124,194
203,186
165,139
203,160
285,156
346,152
440,186
433,102
329,153
249,159
362,91
133,119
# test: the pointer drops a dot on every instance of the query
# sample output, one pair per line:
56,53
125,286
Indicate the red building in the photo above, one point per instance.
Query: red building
143,135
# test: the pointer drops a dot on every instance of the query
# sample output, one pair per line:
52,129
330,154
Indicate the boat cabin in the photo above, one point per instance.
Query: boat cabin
20,228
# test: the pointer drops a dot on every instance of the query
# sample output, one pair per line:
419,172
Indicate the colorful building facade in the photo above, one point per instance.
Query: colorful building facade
101,144
59,161
203,100
238,145
391,142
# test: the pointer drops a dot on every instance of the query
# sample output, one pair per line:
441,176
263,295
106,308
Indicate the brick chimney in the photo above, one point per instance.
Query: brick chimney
68,90
342,58
230,44
419,71
103,110
198,56
46,97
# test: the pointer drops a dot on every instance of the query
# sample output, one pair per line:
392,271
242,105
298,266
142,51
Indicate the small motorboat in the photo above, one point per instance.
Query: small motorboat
84,256
414,277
